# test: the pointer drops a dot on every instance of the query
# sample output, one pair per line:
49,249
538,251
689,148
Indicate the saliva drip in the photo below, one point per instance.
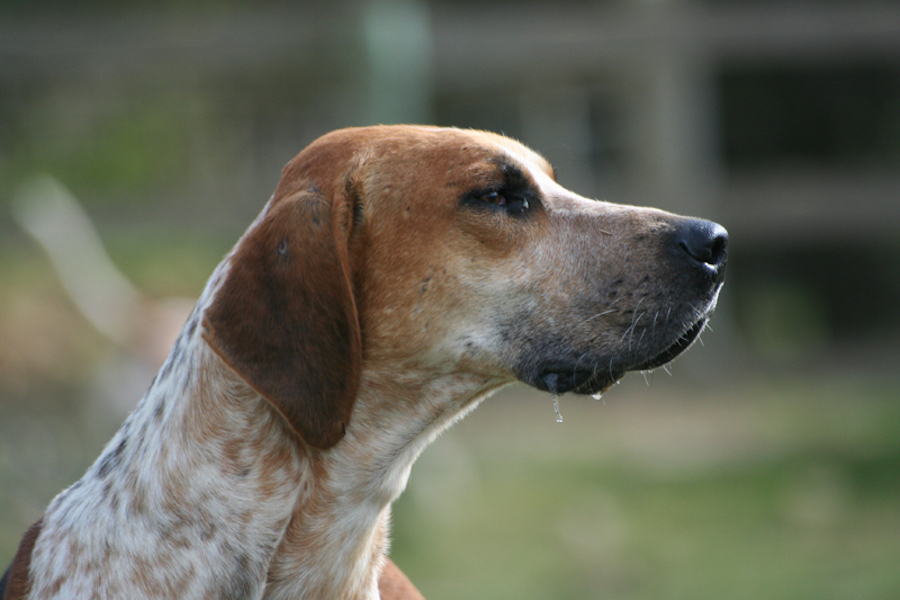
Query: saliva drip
559,418
551,380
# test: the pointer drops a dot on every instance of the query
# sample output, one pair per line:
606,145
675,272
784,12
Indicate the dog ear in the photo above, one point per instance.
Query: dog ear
285,318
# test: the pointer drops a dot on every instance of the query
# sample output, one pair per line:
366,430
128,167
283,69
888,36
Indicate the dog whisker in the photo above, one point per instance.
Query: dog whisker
600,314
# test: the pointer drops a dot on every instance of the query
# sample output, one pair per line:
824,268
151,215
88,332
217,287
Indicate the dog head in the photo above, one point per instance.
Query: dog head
450,251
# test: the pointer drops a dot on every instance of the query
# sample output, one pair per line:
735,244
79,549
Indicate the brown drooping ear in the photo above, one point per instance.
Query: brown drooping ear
285,318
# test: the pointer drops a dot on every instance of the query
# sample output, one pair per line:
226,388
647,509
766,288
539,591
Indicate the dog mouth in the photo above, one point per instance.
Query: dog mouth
684,341
559,378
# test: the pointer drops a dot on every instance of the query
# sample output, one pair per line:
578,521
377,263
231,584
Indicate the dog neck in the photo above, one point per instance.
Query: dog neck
189,499
337,538
228,497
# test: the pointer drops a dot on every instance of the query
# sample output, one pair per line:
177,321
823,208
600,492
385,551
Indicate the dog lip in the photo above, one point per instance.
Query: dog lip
683,342
559,378
562,378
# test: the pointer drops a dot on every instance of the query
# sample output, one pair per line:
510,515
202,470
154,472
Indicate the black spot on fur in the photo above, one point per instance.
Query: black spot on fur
166,369
159,410
186,379
113,459
191,327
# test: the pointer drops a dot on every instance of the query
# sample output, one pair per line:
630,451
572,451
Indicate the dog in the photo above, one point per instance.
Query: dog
397,277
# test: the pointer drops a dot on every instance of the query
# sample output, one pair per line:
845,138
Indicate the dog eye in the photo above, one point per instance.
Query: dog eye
495,198
513,204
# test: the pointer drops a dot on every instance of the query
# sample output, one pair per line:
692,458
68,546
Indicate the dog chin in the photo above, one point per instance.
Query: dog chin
560,377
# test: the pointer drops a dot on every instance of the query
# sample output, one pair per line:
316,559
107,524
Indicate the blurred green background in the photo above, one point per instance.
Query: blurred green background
763,464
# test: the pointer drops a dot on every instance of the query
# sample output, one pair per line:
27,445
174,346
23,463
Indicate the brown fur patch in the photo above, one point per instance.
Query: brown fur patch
19,583
394,585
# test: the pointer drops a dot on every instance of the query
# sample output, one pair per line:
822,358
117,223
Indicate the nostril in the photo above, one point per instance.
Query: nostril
705,241
718,248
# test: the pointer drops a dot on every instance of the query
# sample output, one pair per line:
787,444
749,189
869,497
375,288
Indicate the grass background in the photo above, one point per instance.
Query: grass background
787,489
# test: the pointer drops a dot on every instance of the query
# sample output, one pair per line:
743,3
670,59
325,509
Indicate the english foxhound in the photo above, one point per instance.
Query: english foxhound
396,278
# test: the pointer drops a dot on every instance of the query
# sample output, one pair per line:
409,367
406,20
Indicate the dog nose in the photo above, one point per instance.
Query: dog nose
704,241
